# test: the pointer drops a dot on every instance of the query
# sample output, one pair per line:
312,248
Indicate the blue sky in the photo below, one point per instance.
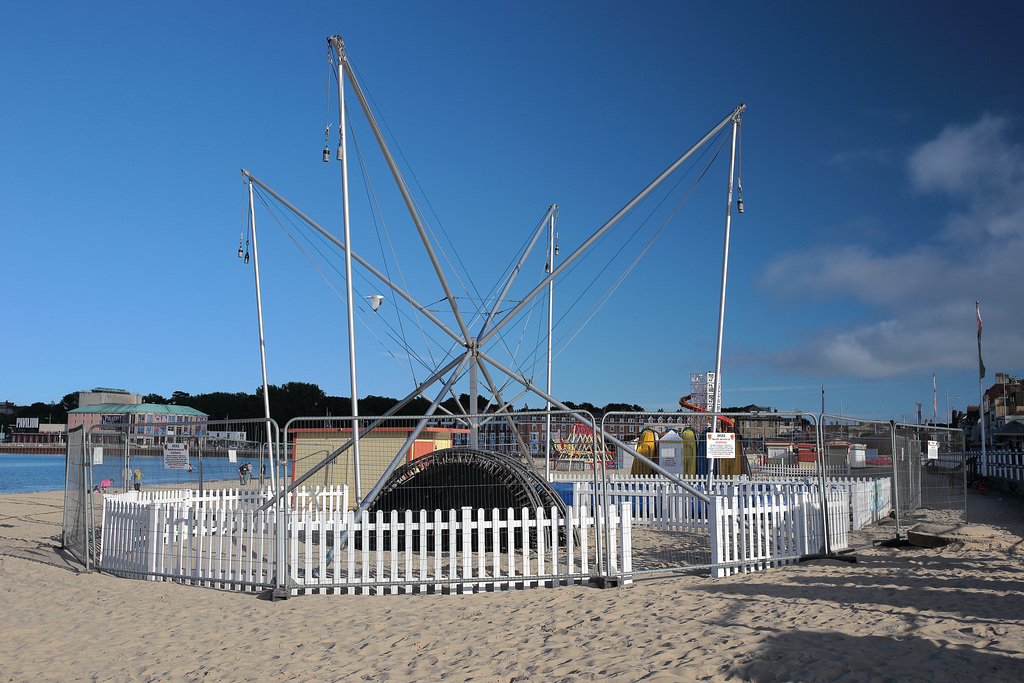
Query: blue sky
882,168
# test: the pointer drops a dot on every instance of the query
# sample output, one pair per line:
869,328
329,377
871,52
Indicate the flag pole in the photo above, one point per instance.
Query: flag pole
981,396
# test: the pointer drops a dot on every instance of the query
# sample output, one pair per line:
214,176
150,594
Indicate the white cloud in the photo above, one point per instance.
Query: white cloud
923,297
965,160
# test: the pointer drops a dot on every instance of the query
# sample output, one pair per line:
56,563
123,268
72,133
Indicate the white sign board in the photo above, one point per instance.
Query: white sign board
933,450
175,456
97,455
232,455
721,445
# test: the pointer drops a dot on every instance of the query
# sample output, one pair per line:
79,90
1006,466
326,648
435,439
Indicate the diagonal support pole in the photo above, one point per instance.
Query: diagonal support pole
483,339
339,47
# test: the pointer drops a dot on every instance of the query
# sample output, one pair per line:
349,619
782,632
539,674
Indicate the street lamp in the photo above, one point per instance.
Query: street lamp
949,415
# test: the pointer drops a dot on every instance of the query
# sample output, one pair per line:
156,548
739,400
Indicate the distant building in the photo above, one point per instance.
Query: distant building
150,423
28,430
101,395
1002,403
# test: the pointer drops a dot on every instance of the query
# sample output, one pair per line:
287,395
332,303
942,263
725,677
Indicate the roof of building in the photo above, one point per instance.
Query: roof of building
1011,427
152,408
105,390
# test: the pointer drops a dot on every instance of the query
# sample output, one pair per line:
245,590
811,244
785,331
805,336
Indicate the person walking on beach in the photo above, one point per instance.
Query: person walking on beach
242,471
137,479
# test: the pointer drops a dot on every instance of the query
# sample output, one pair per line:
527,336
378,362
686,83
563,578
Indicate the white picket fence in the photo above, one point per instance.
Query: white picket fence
453,551
172,537
755,531
1002,463
660,504
223,547
754,524
221,539
323,498
788,471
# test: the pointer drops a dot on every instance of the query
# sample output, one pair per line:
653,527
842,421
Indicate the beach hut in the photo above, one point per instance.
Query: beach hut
670,452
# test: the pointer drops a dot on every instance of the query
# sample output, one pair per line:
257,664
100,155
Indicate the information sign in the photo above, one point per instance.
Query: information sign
721,445
175,456
933,450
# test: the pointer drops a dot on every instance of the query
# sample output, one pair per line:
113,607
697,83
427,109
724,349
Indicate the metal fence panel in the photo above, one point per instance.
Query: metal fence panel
936,465
662,470
183,454
497,464
474,502
77,528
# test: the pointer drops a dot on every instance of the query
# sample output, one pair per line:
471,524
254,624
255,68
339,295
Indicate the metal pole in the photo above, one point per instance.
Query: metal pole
393,465
515,271
423,310
259,315
895,477
285,488
551,294
725,276
822,463
600,511
474,393
721,300
983,466
342,153
280,568
343,62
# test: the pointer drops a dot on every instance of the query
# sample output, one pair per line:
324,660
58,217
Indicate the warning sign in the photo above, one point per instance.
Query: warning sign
933,450
175,456
721,445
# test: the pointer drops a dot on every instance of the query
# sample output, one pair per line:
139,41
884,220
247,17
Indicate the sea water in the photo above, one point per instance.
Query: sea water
22,473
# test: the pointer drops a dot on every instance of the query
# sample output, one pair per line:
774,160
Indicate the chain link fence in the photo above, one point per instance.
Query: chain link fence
474,502
77,532
172,456
934,469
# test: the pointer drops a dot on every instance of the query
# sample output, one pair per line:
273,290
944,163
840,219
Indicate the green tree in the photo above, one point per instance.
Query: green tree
293,399
453,406
46,412
69,402
180,398
623,407
222,405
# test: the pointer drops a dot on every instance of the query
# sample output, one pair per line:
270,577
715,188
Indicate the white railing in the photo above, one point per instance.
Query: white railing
654,501
660,504
222,547
220,540
233,547
756,531
1001,463
323,498
870,500
452,551
788,471
326,499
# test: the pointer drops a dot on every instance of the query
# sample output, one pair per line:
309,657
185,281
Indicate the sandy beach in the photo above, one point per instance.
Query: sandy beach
910,613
